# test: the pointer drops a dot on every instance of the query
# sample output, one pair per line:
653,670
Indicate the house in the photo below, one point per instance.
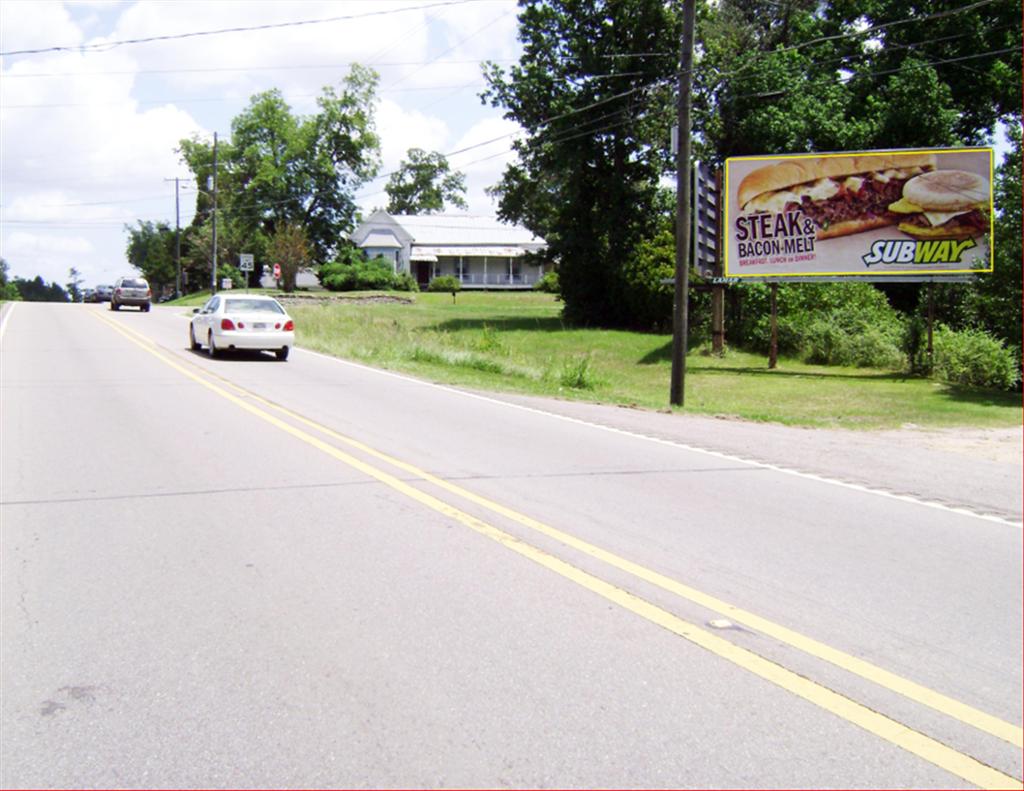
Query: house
481,252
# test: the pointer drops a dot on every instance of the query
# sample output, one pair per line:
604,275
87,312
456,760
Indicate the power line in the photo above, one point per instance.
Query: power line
270,26
221,69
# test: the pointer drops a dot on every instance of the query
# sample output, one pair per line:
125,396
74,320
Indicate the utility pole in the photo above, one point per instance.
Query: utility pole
680,313
177,237
213,263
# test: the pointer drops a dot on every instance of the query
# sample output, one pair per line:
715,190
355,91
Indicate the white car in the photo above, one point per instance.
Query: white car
243,321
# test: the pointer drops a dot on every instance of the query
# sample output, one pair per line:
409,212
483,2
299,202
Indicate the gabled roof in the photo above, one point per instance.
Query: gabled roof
464,229
441,230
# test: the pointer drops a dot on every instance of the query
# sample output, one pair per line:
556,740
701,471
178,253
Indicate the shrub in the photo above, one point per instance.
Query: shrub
405,282
375,275
842,339
644,281
974,358
826,323
445,283
576,373
548,283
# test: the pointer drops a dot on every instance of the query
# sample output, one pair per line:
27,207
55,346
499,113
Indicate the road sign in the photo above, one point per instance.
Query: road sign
277,271
245,262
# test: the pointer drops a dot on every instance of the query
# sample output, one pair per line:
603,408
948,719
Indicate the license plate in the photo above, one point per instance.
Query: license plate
259,325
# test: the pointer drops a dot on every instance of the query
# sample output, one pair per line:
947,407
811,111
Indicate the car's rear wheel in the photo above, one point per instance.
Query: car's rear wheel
145,308
282,353
113,305
211,345
192,342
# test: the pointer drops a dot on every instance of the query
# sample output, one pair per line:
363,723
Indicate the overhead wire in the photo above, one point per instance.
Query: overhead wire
541,125
106,46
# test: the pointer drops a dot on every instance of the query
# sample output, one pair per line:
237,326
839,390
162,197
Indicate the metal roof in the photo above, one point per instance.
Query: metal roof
452,230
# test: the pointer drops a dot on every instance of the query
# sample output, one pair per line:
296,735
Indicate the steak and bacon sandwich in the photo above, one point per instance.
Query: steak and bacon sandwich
944,204
842,195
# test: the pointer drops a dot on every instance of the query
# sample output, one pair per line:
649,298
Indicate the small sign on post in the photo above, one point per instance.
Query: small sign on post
277,271
245,264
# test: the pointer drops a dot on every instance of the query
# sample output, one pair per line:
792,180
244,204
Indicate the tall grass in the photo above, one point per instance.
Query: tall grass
518,343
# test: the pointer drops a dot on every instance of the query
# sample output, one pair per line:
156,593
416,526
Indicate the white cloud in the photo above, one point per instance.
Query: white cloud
490,143
36,24
87,149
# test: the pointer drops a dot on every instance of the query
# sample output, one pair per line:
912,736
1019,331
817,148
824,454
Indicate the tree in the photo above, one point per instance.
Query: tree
38,290
8,290
282,169
151,250
289,248
74,284
423,183
993,301
587,173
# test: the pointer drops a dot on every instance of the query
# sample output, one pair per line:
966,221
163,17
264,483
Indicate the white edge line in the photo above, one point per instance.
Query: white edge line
7,316
671,443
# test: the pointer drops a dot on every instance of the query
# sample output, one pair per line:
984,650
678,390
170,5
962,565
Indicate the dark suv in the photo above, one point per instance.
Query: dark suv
131,291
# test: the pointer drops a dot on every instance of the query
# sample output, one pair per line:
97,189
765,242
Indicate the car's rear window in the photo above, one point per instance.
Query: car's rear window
134,284
251,306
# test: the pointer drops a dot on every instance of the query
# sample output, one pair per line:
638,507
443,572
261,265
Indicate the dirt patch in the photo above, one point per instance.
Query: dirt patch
338,299
1004,445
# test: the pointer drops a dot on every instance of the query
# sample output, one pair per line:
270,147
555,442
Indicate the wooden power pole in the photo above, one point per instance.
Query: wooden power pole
680,313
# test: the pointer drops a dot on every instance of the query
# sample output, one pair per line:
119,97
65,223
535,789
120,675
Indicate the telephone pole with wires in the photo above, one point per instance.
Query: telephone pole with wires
177,236
680,309
213,189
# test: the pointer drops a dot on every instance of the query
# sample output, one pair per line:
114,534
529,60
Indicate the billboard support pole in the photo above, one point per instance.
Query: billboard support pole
773,344
718,290
680,312
931,322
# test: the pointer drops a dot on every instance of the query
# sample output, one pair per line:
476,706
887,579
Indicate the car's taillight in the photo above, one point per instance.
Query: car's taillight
289,326
227,324
117,291
149,292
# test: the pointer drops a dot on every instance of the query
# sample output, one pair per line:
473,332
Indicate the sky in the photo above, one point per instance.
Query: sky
89,126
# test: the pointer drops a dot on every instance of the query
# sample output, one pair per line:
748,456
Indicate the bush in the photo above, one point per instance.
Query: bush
445,283
974,358
841,339
405,282
826,323
643,279
375,275
576,373
548,283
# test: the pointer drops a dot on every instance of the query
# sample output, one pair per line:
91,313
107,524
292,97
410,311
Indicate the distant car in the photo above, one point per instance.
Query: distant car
245,321
131,291
89,295
103,293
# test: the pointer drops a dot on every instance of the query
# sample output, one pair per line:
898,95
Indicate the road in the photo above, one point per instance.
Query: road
246,573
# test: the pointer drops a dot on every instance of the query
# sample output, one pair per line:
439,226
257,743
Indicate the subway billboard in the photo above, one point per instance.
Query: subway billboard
873,214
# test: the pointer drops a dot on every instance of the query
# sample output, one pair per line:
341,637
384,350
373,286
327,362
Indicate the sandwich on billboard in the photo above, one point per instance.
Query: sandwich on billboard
872,214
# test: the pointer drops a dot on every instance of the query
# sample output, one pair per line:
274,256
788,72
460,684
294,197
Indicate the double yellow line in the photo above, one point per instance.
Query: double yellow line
925,747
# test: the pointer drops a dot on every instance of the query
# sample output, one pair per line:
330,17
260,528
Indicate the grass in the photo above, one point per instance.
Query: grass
516,342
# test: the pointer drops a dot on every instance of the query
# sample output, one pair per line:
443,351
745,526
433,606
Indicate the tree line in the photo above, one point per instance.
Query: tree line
286,188
595,92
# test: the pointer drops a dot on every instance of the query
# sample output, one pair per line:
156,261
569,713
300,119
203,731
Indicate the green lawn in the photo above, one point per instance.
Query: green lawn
517,343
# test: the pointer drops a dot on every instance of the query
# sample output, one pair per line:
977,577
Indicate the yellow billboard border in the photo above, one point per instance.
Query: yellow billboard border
872,275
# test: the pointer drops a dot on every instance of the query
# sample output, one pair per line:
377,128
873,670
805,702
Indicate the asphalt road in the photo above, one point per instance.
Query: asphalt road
247,573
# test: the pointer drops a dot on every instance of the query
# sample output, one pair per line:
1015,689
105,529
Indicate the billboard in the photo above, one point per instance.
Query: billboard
873,214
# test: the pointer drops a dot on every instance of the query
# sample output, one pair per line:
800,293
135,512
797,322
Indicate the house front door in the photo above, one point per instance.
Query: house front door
422,273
